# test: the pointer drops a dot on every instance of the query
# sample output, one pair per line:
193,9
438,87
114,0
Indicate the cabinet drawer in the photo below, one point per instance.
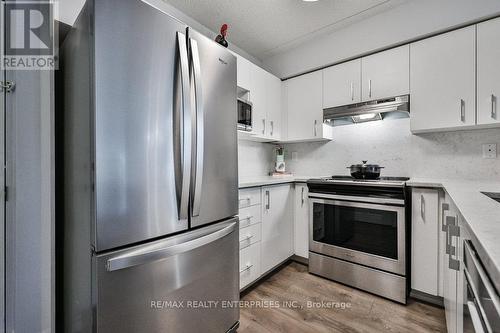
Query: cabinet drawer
250,235
250,215
249,197
249,264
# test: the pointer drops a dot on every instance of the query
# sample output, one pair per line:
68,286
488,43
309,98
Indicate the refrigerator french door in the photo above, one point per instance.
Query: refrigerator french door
150,167
215,163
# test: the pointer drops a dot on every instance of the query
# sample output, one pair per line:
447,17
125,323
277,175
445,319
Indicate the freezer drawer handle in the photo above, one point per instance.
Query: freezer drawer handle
148,256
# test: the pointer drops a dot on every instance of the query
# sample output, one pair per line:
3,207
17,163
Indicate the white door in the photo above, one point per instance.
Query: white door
304,106
243,72
258,99
277,225
424,240
386,74
273,106
488,72
301,221
442,81
342,84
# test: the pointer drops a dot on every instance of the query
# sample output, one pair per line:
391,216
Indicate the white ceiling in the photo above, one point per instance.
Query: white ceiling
266,27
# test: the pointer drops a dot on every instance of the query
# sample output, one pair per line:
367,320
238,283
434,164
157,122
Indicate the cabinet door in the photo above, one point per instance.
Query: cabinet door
277,225
442,81
342,84
258,99
386,74
424,240
301,221
488,72
304,107
273,102
243,72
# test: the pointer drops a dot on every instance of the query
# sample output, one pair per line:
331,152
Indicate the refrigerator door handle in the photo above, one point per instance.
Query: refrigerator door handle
198,154
145,256
182,128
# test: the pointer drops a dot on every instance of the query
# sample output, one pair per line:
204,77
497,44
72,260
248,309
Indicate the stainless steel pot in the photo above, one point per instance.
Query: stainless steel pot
365,171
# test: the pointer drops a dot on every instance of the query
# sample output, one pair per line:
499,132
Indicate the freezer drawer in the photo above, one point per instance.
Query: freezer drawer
151,288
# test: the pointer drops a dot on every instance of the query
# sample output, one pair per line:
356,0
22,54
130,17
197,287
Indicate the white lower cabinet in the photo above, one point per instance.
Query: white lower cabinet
277,225
301,221
266,230
455,233
425,241
249,264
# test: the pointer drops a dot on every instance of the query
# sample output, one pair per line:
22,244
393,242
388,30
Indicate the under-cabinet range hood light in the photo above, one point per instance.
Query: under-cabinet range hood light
395,107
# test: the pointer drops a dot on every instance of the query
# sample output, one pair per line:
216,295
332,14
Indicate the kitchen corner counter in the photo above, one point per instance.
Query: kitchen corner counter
273,180
481,214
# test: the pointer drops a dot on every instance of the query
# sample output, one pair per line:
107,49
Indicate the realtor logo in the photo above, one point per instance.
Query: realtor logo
28,36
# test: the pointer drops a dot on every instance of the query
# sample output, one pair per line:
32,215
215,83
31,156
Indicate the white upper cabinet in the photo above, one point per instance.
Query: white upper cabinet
258,99
342,84
304,108
386,74
273,103
442,81
488,72
243,72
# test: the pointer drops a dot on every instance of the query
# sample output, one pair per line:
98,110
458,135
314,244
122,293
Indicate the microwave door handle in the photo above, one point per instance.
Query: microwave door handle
200,127
182,131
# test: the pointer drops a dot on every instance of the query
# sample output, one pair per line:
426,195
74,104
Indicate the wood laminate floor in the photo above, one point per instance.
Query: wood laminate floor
280,304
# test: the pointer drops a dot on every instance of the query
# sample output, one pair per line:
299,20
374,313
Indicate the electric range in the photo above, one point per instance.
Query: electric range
358,233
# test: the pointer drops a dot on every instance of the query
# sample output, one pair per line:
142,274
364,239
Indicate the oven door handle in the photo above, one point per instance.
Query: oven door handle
357,199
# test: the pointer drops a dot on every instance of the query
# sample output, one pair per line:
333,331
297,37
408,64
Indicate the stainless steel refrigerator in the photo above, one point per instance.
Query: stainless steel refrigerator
150,175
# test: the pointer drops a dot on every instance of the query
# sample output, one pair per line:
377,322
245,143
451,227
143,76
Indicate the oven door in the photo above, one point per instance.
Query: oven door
373,235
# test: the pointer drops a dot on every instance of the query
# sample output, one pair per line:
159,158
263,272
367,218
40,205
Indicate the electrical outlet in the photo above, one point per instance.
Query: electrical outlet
490,150
295,156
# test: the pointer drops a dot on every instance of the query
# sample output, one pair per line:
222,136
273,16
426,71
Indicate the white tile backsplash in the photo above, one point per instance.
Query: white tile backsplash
452,155
254,158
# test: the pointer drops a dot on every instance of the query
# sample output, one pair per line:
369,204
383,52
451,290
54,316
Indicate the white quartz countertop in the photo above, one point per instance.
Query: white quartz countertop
481,213
270,180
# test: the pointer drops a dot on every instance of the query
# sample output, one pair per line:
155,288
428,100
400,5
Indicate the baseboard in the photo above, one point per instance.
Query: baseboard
427,298
300,260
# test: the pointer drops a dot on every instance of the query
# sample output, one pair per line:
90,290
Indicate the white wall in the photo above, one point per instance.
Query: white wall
411,20
456,155
69,10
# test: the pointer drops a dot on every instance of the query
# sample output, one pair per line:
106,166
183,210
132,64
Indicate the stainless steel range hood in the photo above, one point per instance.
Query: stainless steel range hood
398,107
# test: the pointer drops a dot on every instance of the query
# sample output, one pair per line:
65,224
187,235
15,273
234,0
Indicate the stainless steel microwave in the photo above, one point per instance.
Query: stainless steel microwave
244,115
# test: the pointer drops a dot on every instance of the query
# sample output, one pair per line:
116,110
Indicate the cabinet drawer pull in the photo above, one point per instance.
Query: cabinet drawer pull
445,206
247,267
462,110
454,264
422,207
370,88
352,91
302,197
272,127
315,128
493,107
268,201
245,199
